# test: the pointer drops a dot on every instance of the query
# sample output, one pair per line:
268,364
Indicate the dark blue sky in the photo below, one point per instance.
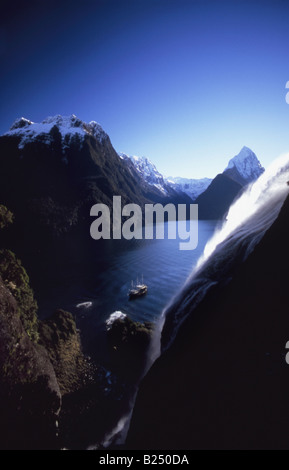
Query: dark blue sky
186,83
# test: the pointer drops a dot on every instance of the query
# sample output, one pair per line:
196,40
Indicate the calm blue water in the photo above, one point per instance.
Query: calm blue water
108,277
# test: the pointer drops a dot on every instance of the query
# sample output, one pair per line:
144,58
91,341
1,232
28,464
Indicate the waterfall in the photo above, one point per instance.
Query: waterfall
248,219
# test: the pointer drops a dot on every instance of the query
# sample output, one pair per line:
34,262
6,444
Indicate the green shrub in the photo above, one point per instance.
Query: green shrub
16,279
6,217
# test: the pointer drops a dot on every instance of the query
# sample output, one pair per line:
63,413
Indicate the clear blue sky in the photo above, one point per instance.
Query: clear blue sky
186,83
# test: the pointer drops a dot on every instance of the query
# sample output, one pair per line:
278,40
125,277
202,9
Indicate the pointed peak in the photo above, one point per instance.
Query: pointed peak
20,123
245,166
246,149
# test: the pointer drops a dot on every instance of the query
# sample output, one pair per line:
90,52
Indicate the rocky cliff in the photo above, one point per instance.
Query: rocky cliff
30,396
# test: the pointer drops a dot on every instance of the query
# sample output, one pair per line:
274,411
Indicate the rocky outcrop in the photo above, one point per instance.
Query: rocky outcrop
91,413
59,336
224,382
128,346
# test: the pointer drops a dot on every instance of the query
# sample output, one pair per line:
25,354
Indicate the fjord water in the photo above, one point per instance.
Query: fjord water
93,294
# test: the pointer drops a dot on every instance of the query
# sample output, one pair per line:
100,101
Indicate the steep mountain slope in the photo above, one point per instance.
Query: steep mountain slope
63,157
146,169
224,383
152,182
216,200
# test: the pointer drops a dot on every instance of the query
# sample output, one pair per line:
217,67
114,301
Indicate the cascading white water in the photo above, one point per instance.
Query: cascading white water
248,219
255,210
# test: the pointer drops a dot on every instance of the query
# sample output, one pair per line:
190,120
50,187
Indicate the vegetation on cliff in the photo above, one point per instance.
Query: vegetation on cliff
16,280
58,334
6,217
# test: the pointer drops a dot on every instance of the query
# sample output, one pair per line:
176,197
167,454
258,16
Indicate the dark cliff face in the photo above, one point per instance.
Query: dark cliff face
56,188
214,203
51,191
234,175
224,383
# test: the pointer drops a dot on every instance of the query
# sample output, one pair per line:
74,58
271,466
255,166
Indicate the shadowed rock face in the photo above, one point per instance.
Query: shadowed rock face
214,203
54,189
59,336
40,362
29,396
128,346
224,383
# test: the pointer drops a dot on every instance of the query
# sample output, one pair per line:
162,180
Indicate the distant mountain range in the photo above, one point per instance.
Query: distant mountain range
192,187
214,197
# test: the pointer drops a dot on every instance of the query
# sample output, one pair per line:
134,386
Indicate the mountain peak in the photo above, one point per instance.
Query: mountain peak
68,126
245,167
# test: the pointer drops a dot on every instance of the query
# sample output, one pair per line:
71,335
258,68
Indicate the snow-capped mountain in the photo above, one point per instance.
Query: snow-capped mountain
192,187
68,126
54,171
85,151
245,167
148,171
150,174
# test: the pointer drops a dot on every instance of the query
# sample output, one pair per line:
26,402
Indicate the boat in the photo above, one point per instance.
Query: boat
138,290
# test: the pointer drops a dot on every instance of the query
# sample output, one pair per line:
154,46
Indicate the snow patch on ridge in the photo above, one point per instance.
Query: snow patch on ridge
68,126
